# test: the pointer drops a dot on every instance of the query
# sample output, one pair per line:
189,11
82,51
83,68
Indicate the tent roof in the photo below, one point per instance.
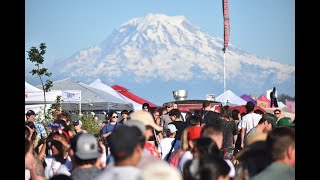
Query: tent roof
100,98
263,98
248,98
102,86
124,91
231,98
29,88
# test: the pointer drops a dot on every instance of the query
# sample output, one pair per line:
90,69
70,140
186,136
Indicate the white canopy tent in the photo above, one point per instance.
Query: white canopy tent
230,98
38,97
104,87
29,88
34,98
92,99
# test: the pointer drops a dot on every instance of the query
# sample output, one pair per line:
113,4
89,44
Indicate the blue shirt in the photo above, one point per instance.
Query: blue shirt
109,127
41,131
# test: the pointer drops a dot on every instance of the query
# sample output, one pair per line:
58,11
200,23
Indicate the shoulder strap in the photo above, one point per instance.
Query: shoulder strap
169,154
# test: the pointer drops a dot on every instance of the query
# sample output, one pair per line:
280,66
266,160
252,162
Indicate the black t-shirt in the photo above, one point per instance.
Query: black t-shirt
229,129
210,117
180,125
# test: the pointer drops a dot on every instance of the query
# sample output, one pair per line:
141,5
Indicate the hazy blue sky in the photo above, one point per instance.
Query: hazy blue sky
261,27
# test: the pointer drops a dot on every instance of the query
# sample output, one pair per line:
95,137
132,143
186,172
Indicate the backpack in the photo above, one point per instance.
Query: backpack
175,158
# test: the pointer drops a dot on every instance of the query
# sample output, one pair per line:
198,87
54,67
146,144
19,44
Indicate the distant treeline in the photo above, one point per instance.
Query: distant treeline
282,98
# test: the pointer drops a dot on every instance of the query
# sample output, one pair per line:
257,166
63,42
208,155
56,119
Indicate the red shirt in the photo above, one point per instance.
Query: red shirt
152,149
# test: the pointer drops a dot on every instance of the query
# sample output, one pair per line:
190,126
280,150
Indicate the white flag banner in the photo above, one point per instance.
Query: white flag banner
71,95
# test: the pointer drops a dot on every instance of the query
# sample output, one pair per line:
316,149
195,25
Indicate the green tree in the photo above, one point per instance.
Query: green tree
57,104
36,56
282,98
87,123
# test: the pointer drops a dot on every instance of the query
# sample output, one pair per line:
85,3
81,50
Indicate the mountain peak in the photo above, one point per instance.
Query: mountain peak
156,20
153,18
170,48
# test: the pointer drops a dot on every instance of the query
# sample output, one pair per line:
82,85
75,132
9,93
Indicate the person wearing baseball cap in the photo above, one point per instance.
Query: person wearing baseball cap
170,143
145,106
84,154
77,124
193,134
126,146
267,122
41,131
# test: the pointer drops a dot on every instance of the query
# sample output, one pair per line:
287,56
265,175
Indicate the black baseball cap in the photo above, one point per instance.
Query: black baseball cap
125,112
129,136
75,123
30,112
145,106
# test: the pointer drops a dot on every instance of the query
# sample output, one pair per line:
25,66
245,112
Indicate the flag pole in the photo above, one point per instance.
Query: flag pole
226,30
224,71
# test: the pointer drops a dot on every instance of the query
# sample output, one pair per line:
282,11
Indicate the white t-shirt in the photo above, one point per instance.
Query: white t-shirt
166,144
54,167
250,120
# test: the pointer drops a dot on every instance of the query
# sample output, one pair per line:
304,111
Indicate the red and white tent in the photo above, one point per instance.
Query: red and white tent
124,91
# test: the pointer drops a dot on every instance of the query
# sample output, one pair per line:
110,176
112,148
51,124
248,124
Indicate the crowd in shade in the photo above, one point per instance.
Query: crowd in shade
208,144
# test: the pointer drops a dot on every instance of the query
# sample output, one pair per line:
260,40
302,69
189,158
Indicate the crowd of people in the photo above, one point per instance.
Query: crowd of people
207,144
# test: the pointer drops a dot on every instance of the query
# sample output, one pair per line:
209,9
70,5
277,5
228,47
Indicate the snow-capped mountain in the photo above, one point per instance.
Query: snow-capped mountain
171,52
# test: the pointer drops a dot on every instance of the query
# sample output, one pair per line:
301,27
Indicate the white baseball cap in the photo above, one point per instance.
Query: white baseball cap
171,128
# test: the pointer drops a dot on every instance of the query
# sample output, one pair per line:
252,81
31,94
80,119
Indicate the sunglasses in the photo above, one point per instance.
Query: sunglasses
114,116
276,113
